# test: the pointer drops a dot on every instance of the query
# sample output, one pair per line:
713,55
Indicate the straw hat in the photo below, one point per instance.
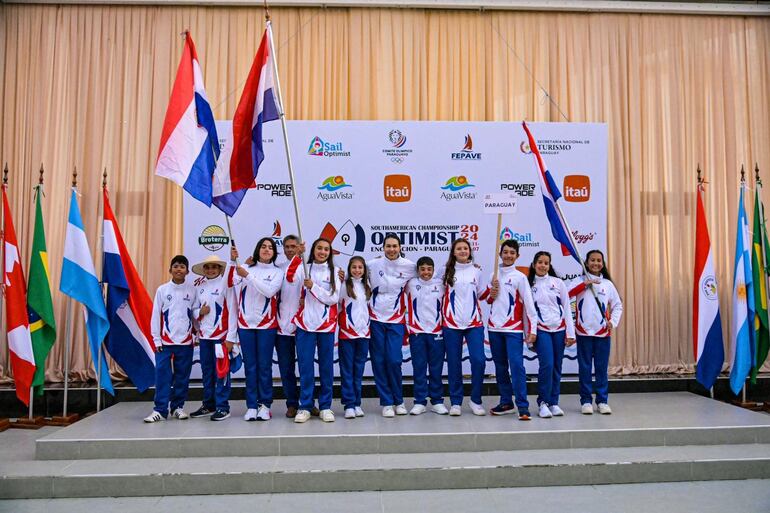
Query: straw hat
211,259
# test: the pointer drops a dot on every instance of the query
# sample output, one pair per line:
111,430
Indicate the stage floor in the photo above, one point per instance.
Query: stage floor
637,420
650,438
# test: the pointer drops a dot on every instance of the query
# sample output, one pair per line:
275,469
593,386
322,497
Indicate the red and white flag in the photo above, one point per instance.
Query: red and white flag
16,317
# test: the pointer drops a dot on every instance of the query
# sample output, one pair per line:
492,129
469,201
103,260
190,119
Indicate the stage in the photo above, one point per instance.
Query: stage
664,437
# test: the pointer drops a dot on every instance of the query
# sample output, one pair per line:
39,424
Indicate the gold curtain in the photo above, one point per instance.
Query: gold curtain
88,87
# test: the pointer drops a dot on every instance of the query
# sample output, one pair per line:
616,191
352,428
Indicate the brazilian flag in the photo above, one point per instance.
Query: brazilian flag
42,323
759,256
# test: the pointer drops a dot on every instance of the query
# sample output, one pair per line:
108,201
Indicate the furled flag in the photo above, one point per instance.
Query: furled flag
42,322
129,307
189,146
706,321
551,195
16,321
256,106
743,303
79,281
759,255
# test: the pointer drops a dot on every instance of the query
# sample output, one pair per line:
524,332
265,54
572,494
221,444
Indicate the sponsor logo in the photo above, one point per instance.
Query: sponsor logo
397,188
577,188
709,286
397,138
348,239
213,238
277,234
583,238
467,152
275,189
397,152
320,148
552,146
456,186
332,186
424,237
525,239
525,190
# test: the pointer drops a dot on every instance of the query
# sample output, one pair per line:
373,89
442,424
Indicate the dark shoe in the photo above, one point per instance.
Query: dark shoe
503,409
315,412
220,415
524,415
201,412
291,412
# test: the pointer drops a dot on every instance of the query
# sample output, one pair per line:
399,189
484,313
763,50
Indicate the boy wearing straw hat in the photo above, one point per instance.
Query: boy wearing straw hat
217,335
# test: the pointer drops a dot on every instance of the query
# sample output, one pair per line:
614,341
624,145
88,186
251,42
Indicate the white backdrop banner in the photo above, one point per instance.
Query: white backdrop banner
424,181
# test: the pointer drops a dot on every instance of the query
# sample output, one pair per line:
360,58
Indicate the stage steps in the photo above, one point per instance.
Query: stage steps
650,438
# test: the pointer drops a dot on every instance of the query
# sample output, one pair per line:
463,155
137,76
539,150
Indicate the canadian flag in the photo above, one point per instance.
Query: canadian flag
16,317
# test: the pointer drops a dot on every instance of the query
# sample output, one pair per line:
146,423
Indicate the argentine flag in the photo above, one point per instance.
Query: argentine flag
79,281
743,302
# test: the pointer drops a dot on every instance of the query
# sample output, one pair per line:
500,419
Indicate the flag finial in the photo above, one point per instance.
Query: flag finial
700,176
75,176
5,174
40,178
104,178
267,12
743,173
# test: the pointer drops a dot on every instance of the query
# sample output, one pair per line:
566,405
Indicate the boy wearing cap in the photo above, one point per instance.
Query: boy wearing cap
217,335
173,310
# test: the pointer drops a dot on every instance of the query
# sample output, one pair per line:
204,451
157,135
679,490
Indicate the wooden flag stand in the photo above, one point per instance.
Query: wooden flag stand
749,405
28,423
4,424
31,421
61,420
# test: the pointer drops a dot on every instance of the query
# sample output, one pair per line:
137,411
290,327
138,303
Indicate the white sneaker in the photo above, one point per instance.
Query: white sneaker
556,411
251,414
604,409
327,415
153,417
264,413
359,412
587,409
477,409
455,410
417,409
388,412
302,416
401,409
439,409
180,414
350,413
545,412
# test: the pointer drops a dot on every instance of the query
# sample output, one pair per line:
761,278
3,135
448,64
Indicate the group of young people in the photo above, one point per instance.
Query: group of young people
246,311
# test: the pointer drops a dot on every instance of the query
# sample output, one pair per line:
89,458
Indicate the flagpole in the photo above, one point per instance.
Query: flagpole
38,190
497,246
100,249
68,326
282,115
67,335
